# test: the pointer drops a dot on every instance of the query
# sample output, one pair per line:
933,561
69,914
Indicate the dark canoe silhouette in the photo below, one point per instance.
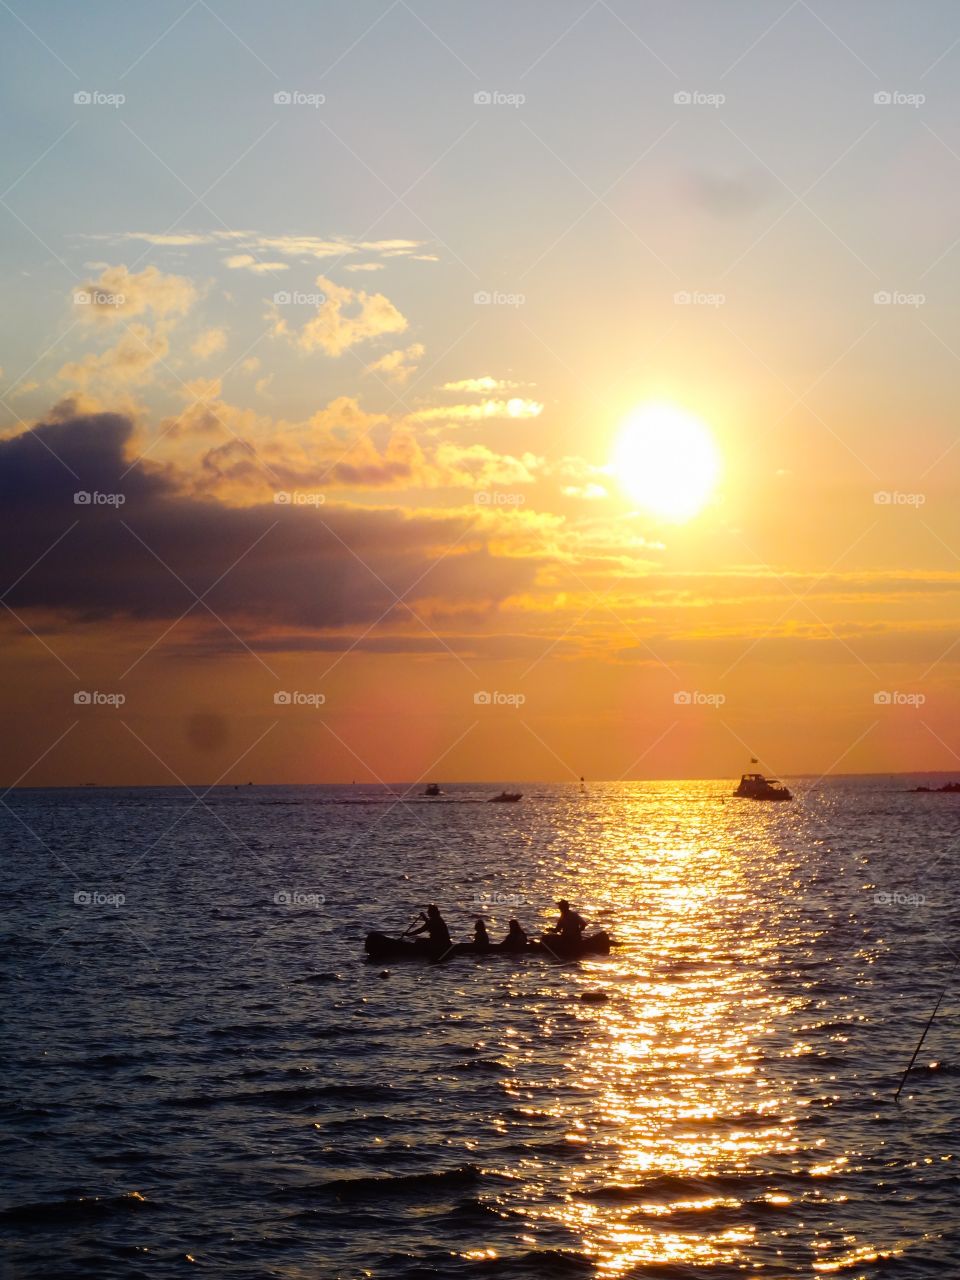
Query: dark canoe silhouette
379,946
506,797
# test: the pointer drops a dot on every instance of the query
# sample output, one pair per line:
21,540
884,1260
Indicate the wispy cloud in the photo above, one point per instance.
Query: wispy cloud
399,365
291,246
345,317
246,261
514,408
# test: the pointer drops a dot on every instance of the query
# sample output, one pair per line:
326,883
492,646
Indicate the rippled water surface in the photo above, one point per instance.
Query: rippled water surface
209,1076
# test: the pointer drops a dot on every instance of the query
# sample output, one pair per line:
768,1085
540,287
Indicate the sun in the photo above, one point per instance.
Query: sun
667,461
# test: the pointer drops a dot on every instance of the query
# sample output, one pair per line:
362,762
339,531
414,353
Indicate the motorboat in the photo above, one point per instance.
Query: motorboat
754,786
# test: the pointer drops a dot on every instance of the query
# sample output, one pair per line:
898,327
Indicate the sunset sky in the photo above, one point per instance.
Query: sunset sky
600,358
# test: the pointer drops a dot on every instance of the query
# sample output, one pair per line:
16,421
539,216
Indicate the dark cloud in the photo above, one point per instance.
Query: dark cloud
326,567
237,461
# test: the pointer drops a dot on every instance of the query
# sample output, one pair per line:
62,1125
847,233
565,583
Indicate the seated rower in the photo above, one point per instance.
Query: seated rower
434,925
481,939
570,925
516,939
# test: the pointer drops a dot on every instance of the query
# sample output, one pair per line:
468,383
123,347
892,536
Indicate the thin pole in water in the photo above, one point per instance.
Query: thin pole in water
936,1007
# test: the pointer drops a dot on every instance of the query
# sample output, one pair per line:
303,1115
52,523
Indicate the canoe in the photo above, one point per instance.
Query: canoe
380,947
597,944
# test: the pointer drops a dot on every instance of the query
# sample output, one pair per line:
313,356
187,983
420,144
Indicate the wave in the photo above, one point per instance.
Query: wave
252,1030
299,1095
489,1066
670,1187
558,1264
380,1185
74,1208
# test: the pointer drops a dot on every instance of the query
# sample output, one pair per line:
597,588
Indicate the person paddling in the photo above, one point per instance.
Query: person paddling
570,925
516,939
481,939
435,927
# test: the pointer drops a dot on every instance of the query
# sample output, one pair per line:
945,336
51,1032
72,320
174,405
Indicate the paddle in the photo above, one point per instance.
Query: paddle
410,927
896,1096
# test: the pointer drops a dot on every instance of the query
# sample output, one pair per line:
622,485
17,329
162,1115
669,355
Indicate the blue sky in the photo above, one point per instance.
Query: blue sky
495,189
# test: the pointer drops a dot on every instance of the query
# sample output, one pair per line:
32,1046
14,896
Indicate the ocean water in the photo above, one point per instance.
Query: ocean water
207,1077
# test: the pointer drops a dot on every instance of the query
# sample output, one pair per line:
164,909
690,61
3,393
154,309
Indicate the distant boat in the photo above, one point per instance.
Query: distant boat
506,797
948,788
754,786
432,789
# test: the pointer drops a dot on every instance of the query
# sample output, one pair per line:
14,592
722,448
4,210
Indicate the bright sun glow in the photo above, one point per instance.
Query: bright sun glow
666,460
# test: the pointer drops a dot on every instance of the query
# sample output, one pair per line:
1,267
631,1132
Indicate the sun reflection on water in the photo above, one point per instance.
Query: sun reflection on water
675,1099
